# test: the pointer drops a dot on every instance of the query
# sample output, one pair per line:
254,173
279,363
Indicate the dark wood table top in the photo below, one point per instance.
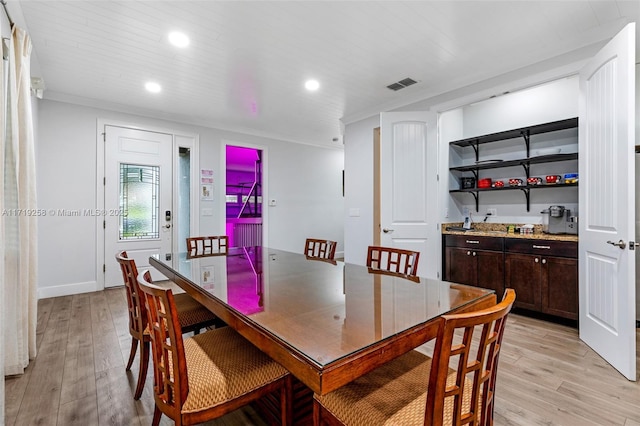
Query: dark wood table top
326,322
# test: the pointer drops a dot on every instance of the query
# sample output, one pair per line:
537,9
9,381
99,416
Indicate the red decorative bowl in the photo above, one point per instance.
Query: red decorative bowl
534,181
484,183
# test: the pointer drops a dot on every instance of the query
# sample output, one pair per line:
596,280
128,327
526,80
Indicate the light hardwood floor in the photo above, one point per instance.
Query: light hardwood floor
546,375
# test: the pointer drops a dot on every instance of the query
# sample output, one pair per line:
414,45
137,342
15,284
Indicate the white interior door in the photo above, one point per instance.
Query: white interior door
607,200
138,198
408,185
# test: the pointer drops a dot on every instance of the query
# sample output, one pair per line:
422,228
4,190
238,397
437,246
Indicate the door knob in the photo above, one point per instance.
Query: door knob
620,244
386,230
168,225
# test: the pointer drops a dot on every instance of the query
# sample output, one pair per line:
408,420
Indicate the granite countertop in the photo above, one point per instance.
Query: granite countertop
500,230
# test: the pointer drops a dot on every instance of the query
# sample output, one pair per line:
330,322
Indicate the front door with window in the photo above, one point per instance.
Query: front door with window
138,201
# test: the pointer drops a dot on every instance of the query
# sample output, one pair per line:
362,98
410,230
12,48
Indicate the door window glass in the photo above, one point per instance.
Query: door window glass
139,204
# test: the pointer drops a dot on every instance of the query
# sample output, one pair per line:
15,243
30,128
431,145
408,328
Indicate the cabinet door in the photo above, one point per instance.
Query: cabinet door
560,287
461,266
491,271
522,273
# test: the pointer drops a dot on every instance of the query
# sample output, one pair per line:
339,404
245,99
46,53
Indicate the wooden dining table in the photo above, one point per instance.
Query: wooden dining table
327,322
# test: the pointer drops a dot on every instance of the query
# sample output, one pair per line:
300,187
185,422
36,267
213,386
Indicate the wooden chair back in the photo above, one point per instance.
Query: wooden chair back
171,385
476,364
135,304
207,246
393,259
322,249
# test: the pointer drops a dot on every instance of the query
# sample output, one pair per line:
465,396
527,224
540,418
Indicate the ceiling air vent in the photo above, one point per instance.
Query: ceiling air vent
401,84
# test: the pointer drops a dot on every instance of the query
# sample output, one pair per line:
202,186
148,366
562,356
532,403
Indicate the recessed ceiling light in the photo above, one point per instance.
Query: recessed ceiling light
178,39
152,87
312,85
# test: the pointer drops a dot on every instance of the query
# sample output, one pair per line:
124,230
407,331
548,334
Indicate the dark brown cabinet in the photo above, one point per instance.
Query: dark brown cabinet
544,274
477,261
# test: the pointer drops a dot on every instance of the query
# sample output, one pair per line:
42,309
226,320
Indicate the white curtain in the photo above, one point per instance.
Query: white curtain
3,102
19,208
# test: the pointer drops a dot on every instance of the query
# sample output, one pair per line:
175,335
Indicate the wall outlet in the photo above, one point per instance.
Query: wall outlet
492,212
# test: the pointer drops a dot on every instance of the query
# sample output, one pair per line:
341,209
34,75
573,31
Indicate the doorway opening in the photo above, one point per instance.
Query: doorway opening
184,211
244,196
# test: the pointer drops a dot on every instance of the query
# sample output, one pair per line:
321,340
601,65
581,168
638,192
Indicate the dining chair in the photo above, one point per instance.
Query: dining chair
211,245
416,389
192,316
323,249
393,259
208,375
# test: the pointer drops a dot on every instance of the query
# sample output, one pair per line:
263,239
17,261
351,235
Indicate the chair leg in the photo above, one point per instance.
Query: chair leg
316,413
144,366
286,401
132,353
156,416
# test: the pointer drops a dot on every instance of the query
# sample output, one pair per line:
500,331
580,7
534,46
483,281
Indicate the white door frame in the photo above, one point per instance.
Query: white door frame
191,141
265,185
180,139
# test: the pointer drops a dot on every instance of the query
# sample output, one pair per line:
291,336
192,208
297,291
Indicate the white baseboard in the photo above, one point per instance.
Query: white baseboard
67,289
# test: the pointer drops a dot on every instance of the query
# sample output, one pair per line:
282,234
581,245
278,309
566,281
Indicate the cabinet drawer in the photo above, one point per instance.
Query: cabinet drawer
474,242
542,247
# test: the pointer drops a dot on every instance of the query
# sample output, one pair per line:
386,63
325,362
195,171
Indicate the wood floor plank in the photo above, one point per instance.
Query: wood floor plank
532,413
117,303
613,404
44,311
116,405
106,346
556,403
80,412
79,381
41,399
14,389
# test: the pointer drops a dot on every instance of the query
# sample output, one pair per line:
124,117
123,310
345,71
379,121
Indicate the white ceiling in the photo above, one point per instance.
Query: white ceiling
247,62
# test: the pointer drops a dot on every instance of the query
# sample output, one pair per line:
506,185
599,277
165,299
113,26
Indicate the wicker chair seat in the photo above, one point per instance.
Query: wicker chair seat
191,313
222,366
394,394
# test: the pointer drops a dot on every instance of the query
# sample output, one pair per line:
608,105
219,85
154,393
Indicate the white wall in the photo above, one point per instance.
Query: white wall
306,180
